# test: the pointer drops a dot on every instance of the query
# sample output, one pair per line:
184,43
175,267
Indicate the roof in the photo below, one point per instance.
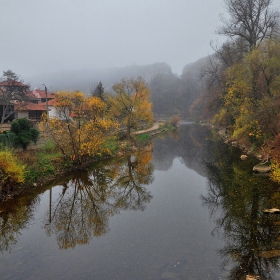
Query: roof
39,93
29,106
50,103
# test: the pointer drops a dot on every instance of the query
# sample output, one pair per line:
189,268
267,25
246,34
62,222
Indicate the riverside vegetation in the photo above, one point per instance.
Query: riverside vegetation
86,129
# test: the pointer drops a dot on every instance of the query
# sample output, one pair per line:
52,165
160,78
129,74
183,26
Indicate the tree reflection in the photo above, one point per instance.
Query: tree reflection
236,199
89,199
14,217
137,171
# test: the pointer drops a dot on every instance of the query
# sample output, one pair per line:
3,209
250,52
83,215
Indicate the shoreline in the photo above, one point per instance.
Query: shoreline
126,147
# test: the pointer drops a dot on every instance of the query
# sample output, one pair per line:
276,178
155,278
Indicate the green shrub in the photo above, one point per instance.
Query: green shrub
44,167
142,137
49,146
24,132
8,139
112,144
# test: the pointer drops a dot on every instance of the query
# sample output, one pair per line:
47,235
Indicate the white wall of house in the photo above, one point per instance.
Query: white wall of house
22,114
52,112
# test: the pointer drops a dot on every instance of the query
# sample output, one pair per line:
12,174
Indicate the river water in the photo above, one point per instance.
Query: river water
184,207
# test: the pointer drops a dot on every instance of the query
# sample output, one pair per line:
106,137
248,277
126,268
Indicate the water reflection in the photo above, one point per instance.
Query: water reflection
191,143
236,200
87,201
83,203
14,217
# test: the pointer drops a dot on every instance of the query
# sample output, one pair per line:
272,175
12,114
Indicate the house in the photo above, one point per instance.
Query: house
51,107
29,110
39,96
22,103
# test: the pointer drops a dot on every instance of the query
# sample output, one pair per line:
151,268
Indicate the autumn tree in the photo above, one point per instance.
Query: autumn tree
252,94
132,104
11,172
11,90
81,127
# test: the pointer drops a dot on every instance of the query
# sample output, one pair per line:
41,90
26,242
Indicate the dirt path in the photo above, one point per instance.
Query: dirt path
154,127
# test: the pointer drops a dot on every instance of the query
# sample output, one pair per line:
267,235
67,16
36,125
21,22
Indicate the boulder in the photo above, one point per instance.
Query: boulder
272,211
252,277
262,168
243,157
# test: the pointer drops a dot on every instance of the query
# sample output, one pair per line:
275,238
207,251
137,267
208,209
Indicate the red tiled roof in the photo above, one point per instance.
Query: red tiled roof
39,93
28,106
50,103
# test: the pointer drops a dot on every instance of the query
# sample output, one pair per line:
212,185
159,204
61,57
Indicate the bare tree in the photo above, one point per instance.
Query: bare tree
252,20
12,91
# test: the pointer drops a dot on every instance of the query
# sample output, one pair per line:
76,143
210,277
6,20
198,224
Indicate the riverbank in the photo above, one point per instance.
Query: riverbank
46,163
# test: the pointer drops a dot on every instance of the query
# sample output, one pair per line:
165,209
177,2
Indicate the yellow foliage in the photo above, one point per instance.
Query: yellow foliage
81,127
11,171
132,103
275,171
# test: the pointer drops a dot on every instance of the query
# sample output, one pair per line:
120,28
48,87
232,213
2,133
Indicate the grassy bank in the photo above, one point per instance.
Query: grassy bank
36,167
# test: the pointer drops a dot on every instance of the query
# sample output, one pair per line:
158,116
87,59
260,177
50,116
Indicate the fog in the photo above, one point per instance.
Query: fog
39,37
49,35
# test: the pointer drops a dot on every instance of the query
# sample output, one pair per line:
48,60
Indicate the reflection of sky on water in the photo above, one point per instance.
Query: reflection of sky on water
169,233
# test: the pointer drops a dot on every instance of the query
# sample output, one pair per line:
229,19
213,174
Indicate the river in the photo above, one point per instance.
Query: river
184,207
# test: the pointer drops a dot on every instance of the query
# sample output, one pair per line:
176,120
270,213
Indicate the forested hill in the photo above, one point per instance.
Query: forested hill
86,80
173,95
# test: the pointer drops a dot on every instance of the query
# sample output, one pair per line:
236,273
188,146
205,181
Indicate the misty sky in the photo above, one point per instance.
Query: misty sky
40,36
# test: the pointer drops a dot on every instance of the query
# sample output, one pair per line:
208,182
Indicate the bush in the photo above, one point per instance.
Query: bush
44,167
112,145
11,171
8,139
24,132
142,137
174,120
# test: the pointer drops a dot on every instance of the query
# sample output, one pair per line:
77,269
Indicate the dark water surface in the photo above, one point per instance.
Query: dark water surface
185,207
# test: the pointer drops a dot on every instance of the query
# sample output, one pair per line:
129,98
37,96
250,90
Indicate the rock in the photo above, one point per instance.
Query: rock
262,168
243,157
252,277
234,143
272,211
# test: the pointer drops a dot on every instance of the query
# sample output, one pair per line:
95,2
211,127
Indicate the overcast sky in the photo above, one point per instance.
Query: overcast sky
40,36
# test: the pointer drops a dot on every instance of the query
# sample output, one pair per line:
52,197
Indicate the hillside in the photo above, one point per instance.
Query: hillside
86,80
